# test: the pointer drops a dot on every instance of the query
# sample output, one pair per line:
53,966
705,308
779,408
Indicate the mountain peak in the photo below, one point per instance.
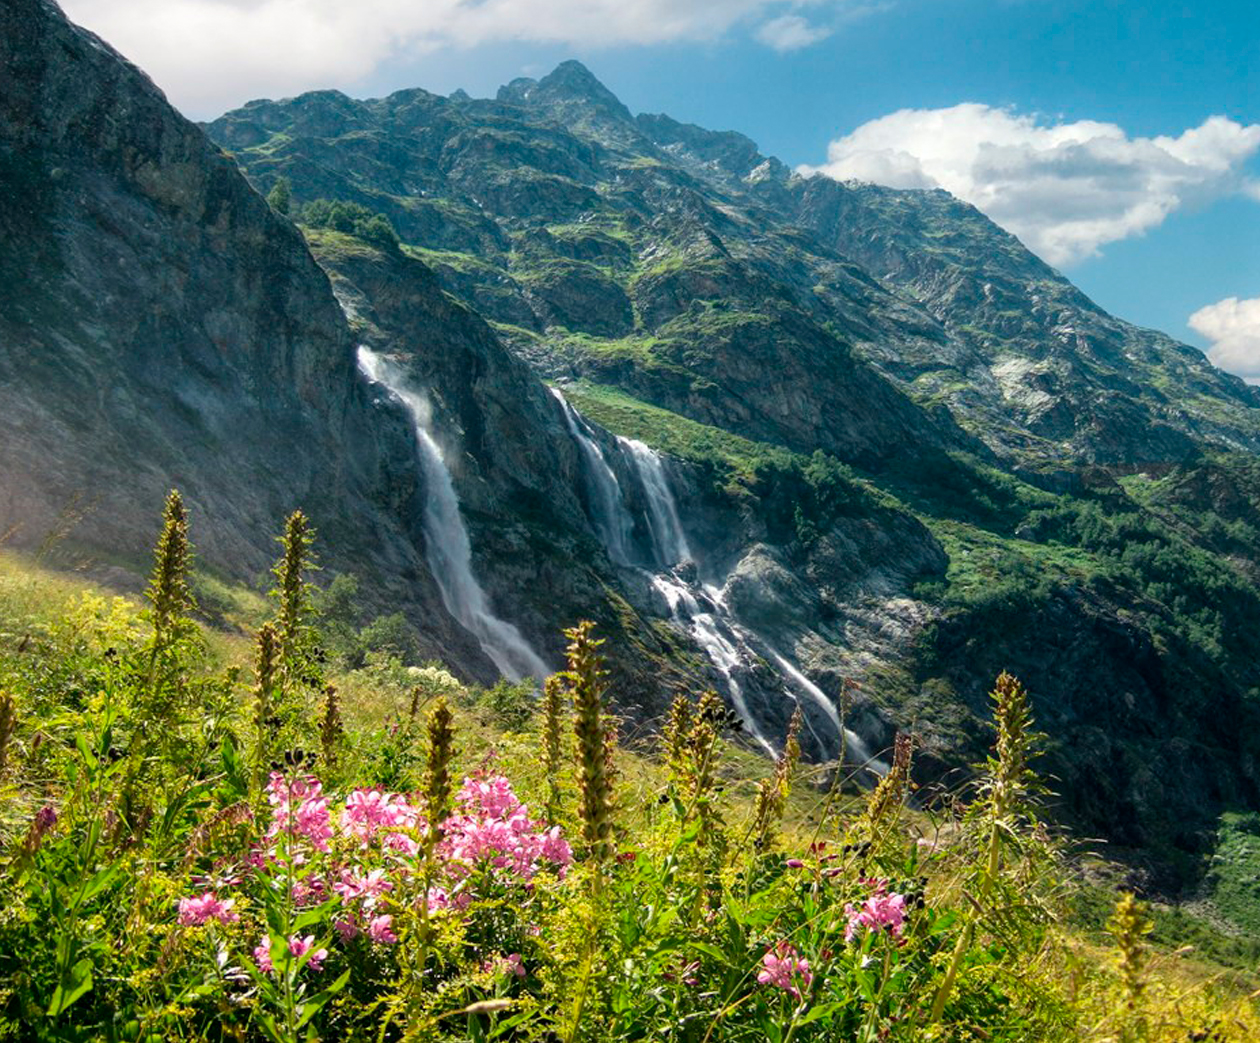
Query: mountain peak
568,85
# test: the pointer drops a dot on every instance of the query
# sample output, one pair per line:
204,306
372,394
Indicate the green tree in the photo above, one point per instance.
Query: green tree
281,196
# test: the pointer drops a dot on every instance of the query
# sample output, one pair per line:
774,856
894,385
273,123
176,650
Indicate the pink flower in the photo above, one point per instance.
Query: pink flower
379,930
262,955
493,828
309,819
347,927
510,964
299,947
196,911
876,913
783,969
369,887
794,863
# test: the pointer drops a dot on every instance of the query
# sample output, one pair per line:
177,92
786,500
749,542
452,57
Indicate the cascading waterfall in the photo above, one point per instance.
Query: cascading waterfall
446,539
723,653
699,608
611,519
668,539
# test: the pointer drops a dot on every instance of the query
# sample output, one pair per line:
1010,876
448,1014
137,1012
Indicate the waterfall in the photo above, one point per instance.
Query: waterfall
668,538
611,519
856,751
725,654
698,608
446,540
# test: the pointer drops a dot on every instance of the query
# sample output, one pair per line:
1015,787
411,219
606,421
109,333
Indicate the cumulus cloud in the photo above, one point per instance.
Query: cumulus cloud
790,32
211,54
1233,327
1066,189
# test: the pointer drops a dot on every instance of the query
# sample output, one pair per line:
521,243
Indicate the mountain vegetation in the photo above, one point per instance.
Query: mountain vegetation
207,841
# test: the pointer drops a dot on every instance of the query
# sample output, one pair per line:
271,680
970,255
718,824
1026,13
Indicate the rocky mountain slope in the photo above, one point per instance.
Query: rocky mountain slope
904,450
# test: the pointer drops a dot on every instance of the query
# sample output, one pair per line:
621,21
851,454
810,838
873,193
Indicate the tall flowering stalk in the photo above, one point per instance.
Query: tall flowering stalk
553,738
266,723
772,793
168,591
586,677
1129,925
292,624
887,798
437,772
1009,781
1006,789
8,725
675,736
332,729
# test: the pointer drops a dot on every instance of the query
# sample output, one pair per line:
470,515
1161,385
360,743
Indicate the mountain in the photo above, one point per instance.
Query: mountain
810,443
905,451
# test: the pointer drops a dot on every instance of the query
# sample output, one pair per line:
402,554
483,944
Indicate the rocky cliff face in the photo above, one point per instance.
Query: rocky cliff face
160,326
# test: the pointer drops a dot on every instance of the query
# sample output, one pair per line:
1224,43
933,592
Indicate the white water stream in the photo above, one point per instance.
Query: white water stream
446,539
699,608
611,519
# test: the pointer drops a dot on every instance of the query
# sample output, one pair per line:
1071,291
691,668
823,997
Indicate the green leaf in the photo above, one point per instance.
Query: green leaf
312,1006
268,1024
711,951
823,1010
78,981
100,881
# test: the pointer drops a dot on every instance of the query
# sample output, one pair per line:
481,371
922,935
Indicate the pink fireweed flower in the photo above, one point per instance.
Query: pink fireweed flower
379,930
782,968
262,955
492,827
195,911
510,964
880,911
368,812
309,819
299,947
368,887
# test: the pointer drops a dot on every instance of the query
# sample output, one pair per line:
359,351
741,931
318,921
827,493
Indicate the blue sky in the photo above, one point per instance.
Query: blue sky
1006,96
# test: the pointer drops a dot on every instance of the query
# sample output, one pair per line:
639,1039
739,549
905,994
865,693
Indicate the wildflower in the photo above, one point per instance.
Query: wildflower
45,819
794,863
310,819
879,911
195,911
379,930
262,955
782,968
299,947
369,888
346,927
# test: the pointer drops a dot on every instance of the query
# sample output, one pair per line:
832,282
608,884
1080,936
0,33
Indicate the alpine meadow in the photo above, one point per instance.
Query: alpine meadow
515,569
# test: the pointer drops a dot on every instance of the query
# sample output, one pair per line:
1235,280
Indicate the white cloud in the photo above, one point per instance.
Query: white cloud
1066,189
790,32
1233,327
211,54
